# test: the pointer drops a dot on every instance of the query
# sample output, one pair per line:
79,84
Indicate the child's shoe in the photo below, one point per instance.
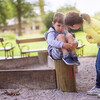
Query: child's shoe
68,60
76,61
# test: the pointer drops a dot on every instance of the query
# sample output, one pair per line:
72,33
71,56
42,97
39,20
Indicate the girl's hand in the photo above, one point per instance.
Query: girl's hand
88,37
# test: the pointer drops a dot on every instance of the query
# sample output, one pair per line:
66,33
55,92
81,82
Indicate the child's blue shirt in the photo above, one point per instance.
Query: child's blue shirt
51,36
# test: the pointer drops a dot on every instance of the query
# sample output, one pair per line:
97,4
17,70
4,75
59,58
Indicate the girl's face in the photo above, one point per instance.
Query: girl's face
75,26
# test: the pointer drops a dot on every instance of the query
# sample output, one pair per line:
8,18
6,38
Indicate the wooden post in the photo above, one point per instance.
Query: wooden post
76,69
65,76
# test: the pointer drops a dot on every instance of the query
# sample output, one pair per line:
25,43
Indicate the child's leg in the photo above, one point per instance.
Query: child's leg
66,55
70,39
62,38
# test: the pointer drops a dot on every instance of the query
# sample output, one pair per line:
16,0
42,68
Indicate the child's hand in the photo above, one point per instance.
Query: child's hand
67,46
74,44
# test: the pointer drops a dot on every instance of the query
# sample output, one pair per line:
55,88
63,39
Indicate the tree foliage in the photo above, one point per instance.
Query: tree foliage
97,16
48,19
67,8
22,9
41,6
25,8
5,12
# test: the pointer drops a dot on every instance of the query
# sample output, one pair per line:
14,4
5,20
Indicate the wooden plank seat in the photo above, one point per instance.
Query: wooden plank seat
35,50
7,47
25,49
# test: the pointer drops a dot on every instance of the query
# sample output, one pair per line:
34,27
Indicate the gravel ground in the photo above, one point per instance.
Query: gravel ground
85,80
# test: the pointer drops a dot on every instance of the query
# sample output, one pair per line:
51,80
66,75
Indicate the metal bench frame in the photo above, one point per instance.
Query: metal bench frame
28,50
80,48
7,47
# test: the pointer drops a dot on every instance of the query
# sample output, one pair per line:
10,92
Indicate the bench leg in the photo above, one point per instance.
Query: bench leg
42,57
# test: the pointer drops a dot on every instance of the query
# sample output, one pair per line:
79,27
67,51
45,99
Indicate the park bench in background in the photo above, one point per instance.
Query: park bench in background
80,48
25,49
7,48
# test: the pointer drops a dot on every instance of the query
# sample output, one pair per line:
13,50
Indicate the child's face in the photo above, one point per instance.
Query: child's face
75,26
59,27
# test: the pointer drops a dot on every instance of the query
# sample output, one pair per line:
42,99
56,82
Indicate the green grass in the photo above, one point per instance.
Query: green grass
89,49
36,45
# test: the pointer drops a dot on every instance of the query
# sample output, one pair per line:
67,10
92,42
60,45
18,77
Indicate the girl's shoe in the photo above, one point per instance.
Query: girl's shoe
94,91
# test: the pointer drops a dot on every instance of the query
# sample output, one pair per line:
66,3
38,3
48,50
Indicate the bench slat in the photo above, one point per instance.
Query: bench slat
80,46
7,48
30,40
35,50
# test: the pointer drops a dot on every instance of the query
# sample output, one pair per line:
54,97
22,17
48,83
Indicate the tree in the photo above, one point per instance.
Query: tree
48,19
67,8
5,9
41,6
22,9
97,16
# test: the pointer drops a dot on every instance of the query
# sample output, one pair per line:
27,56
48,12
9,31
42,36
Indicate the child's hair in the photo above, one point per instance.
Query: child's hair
58,17
73,17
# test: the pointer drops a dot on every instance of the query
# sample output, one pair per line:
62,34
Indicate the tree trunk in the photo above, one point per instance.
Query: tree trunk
19,25
41,5
65,77
19,17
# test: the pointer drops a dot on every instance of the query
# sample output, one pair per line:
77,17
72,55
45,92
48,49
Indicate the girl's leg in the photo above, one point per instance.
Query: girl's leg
96,89
98,69
70,39
73,54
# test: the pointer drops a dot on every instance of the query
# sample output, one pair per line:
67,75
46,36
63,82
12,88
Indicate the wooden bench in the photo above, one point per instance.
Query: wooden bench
25,48
7,47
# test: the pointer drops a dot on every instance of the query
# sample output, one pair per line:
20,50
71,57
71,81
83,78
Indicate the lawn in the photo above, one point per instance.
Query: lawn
31,45
89,49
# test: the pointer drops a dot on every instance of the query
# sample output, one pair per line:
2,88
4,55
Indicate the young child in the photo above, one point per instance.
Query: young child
91,27
61,44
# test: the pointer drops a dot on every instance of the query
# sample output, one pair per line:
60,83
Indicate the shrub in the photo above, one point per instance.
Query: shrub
48,19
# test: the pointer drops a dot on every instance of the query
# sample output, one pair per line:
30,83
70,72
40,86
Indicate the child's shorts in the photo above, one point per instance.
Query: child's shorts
56,53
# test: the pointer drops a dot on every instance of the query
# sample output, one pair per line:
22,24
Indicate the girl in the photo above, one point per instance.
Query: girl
91,27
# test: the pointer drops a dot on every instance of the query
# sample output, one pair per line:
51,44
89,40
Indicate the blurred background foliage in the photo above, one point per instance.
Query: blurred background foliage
25,11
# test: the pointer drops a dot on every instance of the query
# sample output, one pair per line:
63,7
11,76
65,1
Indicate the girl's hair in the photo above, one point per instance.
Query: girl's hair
58,17
73,17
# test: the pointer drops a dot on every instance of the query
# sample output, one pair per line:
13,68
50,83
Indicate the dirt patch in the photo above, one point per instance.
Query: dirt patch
85,80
